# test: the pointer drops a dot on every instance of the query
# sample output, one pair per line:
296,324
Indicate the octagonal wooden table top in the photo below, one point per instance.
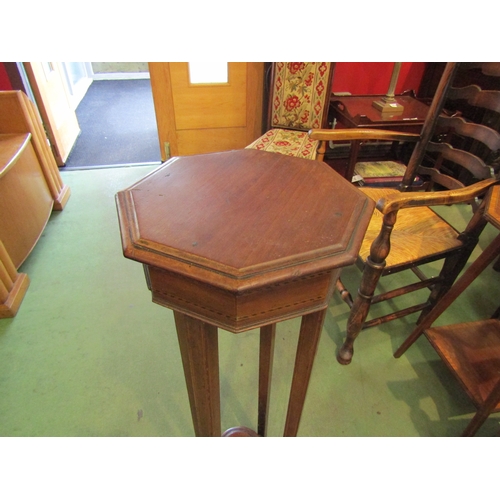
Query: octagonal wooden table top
229,218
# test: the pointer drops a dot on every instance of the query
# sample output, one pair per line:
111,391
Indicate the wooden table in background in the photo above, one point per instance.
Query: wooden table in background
241,240
359,112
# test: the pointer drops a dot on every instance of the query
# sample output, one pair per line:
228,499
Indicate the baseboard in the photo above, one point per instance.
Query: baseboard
119,165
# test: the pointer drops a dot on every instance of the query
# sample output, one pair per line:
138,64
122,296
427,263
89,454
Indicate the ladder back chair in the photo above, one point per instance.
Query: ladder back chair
405,233
299,98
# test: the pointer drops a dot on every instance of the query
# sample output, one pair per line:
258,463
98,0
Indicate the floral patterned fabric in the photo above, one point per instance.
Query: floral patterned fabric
299,93
286,142
298,98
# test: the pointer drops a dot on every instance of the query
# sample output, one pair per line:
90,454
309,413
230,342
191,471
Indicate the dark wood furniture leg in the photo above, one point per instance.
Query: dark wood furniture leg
198,344
496,265
482,414
353,158
310,331
374,268
266,351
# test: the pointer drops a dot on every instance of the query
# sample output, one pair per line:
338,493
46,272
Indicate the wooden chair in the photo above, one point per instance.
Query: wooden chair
420,235
299,98
470,350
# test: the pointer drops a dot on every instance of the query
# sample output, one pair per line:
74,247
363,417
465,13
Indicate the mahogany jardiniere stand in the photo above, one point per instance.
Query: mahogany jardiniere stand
242,240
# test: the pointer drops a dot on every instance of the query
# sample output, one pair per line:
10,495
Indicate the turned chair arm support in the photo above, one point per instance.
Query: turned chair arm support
353,134
397,201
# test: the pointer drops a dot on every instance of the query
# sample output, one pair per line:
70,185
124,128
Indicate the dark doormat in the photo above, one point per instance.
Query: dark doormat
118,125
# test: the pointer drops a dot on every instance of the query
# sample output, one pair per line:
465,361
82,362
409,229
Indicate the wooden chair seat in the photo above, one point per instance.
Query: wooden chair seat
472,352
287,142
419,232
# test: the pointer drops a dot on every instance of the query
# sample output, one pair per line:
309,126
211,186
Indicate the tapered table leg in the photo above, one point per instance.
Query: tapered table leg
266,351
198,344
310,331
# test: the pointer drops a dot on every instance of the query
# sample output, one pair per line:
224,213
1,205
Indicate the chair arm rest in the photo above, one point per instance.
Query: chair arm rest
354,134
397,201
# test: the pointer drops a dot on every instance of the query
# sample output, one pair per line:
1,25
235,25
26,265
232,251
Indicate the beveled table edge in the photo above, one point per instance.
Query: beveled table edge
226,277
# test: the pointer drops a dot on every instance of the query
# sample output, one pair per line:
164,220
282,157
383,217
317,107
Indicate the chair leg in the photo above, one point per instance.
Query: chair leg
452,267
344,293
496,265
454,264
360,309
372,272
483,413
474,425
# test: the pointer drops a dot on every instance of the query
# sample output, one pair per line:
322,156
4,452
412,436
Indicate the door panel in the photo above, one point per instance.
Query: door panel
47,81
204,118
192,142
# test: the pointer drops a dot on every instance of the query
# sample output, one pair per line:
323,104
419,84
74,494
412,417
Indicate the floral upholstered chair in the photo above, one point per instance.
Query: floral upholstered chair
298,102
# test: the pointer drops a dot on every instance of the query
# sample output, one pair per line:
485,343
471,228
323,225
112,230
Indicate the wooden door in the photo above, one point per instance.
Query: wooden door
198,118
48,83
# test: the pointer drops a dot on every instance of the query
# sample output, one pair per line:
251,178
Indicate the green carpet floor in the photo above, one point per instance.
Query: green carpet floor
89,354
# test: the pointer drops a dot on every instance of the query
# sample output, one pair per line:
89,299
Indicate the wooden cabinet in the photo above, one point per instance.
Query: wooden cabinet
30,188
25,206
25,200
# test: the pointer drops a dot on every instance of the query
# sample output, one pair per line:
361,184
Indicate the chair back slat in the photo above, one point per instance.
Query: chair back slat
472,163
437,177
482,133
475,96
489,68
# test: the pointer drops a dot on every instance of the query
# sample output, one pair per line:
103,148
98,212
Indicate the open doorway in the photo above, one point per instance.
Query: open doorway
116,117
